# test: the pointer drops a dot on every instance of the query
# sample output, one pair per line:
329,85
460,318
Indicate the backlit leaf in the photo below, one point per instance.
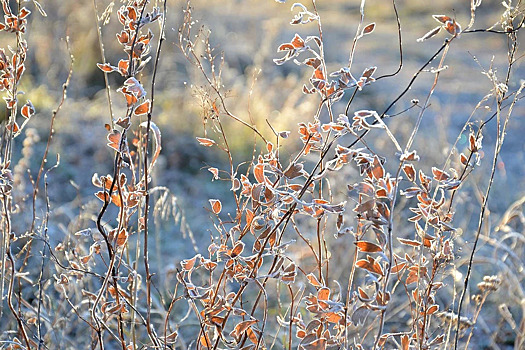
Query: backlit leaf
114,140
241,327
215,173
143,108
237,249
463,158
297,42
377,169
258,172
106,67
409,242
369,28
188,264
122,237
28,110
440,175
313,280
409,171
432,309
442,18
216,206
205,142
368,247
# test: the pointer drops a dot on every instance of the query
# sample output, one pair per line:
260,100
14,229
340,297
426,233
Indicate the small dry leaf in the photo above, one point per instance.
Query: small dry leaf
409,242
188,264
377,170
143,108
398,267
216,206
440,175
205,341
28,110
237,249
411,156
362,294
114,140
371,265
258,172
473,147
323,293
442,18
463,158
215,173
368,247
410,171
405,342
294,171
369,28
297,41
14,127
205,142
122,237
241,327
433,309
106,67
452,27
313,280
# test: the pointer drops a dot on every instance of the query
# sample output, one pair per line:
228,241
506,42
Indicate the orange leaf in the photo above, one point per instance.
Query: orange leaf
371,265
297,42
252,336
410,171
432,309
122,237
188,264
409,242
114,140
377,170
405,342
258,171
362,293
28,110
143,108
205,341
123,67
398,267
216,206
237,249
205,142
313,280
106,67
442,18
368,247
463,158
130,99
440,175
369,28
215,173
323,293
241,327
14,127
249,217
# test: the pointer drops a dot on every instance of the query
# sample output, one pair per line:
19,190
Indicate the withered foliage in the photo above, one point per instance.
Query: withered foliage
265,278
